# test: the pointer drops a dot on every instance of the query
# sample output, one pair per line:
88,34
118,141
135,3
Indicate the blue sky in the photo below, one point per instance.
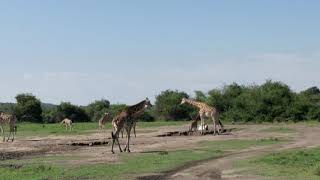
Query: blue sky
79,51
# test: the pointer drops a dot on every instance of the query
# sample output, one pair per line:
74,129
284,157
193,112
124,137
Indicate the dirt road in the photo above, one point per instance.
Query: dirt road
222,168
147,140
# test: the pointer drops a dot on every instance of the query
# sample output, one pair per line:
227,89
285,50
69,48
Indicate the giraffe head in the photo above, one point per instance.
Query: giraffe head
147,103
183,101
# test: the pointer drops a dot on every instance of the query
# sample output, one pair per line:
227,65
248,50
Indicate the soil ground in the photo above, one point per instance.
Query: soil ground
148,140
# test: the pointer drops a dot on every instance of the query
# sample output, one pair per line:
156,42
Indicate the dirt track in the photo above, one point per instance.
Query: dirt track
222,168
148,141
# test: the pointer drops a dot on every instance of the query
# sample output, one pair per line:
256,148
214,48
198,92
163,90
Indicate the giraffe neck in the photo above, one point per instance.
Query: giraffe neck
194,103
137,108
105,117
138,113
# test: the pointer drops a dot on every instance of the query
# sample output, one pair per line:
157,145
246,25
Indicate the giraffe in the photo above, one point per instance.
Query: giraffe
126,119
205,111
103,120
7,119
135,116
67,123
134,130
194,124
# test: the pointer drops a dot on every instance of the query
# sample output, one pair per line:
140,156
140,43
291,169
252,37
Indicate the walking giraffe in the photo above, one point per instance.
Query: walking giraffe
135,116
126,119
205,111
103,120
7,119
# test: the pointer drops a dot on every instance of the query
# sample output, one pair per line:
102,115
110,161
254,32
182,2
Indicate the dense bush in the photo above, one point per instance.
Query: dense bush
7,107
96,109
271,101
167,106
28,108
68,110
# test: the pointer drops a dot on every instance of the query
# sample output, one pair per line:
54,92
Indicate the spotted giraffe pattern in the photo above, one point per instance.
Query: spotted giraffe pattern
7,119
103,120
126,120
205,111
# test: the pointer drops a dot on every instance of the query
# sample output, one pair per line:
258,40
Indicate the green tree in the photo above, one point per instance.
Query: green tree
96,109
7,107
28,108
73,112
168,106
299,108
115,109
275,98
243,107
200,96
311,99
216,99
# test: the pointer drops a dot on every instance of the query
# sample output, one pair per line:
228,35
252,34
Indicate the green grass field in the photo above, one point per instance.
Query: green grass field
291,164
279,130
34,129
129,166
294,164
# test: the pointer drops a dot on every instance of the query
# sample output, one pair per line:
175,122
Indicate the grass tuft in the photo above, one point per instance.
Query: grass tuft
296,164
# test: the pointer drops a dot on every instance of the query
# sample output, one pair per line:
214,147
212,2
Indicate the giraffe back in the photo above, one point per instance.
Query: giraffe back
7,119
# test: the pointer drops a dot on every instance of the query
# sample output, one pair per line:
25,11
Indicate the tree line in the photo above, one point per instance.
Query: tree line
269,102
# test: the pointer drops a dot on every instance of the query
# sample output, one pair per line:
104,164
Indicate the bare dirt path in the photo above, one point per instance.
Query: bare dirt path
222,168
147,141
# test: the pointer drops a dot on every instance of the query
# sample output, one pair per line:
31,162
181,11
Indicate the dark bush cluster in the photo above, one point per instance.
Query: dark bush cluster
270,102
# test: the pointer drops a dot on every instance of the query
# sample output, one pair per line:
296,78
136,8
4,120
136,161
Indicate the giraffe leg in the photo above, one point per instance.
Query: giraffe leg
134,130
10,132
3,134
217,118
1,130
122,133
13,133
214,125
128,139
221,126
118,143
202,117
125,148
115,138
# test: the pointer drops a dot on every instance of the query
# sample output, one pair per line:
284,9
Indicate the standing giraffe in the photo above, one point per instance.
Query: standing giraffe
205,111
126,119
194,124
135,116
8,120
103,120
